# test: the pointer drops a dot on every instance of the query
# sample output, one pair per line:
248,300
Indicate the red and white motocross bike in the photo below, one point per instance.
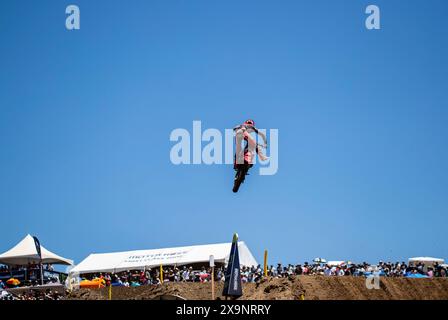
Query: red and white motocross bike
246,157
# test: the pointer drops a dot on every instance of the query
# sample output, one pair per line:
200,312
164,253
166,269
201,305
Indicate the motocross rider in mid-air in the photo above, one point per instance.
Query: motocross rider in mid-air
242,132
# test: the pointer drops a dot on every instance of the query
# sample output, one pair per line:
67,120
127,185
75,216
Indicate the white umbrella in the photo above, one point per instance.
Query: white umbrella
319,260
426,259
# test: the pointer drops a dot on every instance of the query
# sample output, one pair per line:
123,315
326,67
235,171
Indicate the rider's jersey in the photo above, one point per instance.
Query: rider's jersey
249,129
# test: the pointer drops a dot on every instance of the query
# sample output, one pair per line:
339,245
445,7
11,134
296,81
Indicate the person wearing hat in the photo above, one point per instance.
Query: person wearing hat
185,274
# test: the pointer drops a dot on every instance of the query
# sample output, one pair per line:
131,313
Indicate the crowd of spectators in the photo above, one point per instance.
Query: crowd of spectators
248,275
387,269
153,276
255,274
4,269
16,277
29,267
32,295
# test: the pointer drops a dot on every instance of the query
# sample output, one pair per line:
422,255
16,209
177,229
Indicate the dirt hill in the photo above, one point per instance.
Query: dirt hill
312,287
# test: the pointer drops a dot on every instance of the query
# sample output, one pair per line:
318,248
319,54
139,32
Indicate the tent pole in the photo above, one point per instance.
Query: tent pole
213,283
265,267
161,274
41,273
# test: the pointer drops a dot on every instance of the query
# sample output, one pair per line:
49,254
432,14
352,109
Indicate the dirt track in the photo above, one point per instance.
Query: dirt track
313,288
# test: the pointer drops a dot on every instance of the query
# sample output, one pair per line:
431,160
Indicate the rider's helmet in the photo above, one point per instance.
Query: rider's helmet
250,122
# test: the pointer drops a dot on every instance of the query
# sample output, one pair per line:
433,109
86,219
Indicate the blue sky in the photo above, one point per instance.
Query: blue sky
85,120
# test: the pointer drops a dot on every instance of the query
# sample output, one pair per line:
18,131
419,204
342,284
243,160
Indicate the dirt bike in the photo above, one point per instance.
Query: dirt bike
242,169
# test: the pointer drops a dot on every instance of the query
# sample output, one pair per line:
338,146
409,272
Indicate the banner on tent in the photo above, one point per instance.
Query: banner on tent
155,257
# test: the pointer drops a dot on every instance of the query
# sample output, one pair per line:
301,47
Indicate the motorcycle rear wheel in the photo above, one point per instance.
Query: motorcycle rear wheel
239,178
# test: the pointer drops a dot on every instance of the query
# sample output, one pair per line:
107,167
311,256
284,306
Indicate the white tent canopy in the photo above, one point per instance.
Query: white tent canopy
25,252
140,259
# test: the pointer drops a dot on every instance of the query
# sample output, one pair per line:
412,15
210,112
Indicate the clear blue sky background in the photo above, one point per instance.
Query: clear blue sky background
85,119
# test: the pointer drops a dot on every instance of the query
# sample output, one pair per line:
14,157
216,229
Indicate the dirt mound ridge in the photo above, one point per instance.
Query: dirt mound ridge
311,287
